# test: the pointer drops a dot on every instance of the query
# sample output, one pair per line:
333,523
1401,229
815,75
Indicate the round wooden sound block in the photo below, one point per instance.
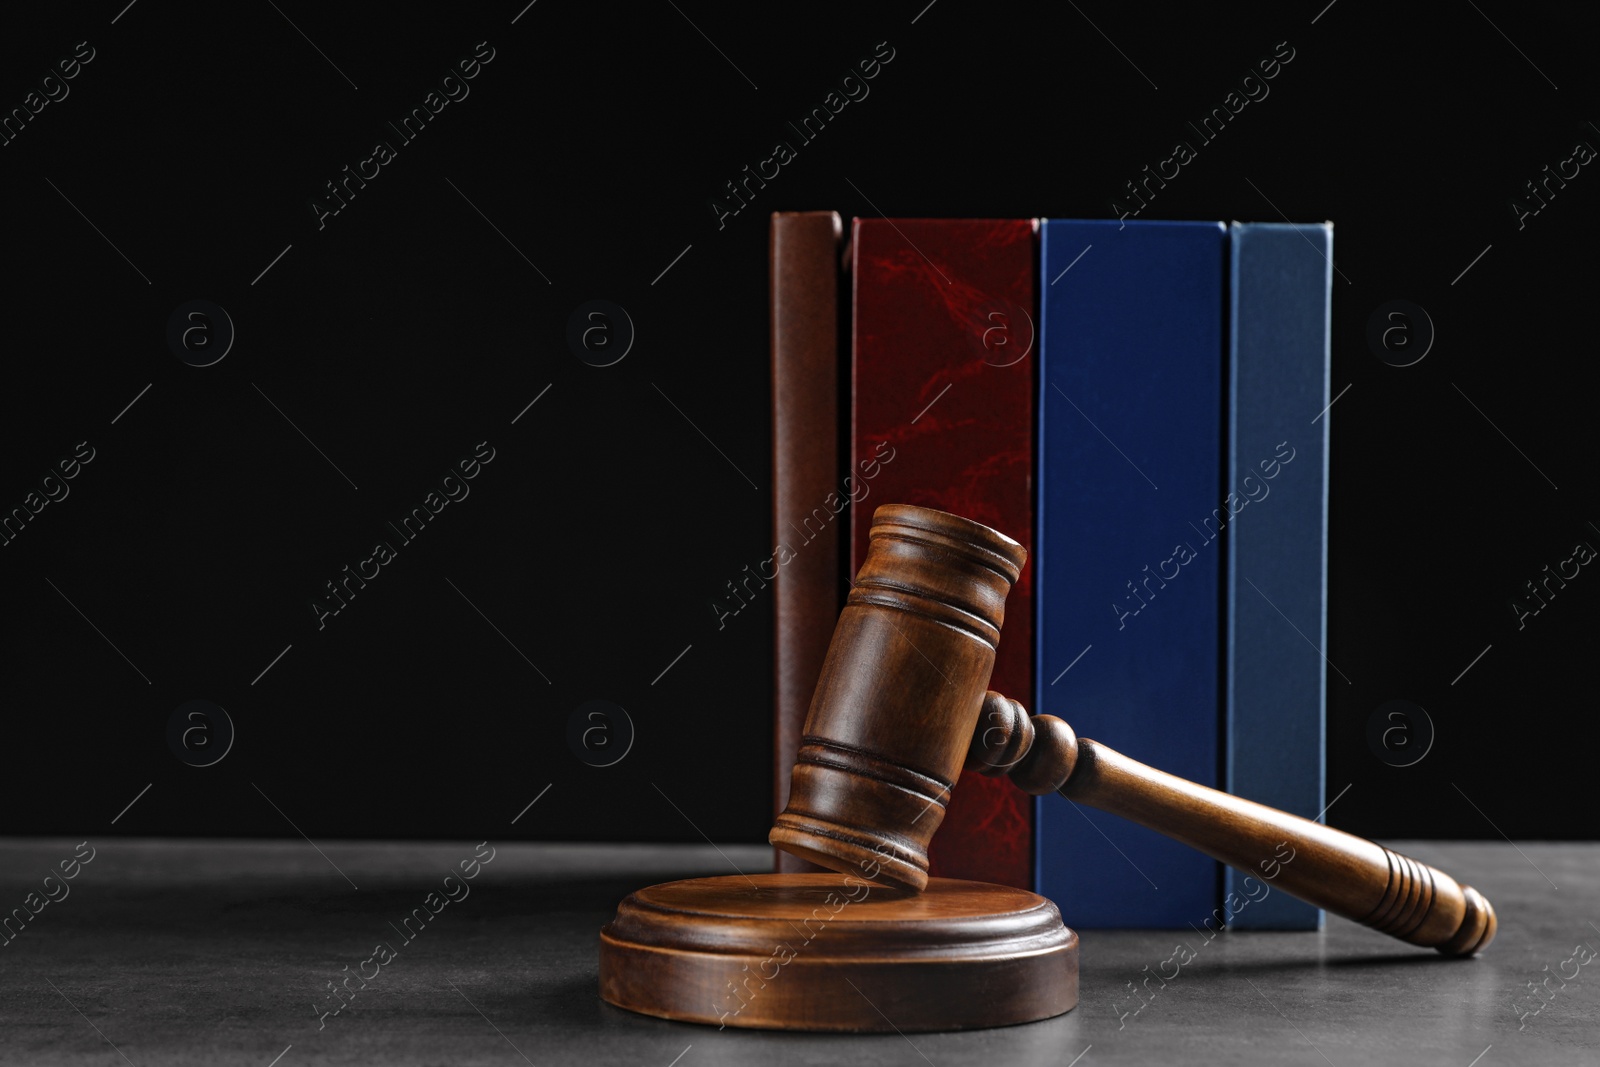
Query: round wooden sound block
831,952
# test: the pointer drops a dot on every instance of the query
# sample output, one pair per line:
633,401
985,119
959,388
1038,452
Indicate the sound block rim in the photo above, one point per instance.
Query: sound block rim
960,955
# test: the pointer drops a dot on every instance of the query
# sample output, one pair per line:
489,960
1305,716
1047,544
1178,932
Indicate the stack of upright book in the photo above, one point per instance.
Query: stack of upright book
1142,405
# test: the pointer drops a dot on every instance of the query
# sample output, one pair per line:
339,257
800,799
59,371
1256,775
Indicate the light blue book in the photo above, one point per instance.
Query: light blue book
1277,546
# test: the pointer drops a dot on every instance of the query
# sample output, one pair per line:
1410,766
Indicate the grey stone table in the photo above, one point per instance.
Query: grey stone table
221,952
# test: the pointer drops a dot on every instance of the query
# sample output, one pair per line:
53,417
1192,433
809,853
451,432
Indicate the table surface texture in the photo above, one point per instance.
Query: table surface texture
222,952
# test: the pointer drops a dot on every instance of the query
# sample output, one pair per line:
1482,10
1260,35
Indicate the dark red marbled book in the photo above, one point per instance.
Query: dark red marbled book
942,409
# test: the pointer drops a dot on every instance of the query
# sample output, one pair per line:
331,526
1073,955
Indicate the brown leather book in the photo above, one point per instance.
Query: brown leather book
808,527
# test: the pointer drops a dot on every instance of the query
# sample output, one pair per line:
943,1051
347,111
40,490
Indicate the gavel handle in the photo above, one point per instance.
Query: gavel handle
1342,873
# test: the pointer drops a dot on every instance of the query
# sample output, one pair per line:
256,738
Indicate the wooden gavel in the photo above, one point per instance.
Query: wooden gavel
901,706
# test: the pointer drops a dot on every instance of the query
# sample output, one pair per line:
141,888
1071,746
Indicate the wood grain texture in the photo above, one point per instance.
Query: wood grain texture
1329,868
899,695
831,952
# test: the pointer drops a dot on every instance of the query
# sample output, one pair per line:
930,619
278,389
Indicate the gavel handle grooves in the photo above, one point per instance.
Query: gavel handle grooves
1347,875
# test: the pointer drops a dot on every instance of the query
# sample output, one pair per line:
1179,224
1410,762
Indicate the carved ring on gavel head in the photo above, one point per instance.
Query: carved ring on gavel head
901,707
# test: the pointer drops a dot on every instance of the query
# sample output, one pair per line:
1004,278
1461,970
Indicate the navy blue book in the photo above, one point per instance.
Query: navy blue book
1128,557
1278,543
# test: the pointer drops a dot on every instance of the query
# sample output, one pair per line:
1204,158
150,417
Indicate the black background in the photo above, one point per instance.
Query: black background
408,329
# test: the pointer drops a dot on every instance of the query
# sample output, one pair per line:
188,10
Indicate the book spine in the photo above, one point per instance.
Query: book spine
806,462
942,416
1277,545
1129,568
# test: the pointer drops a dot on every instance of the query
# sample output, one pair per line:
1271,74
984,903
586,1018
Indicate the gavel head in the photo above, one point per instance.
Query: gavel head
900,694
